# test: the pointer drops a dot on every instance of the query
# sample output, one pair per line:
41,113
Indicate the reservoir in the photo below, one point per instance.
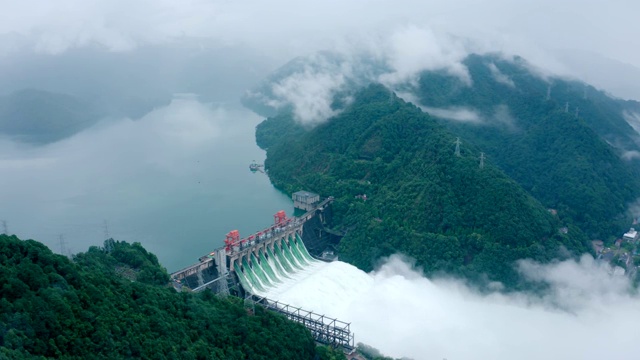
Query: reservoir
176,180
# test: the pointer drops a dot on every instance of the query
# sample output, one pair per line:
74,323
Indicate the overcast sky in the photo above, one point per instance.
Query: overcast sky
290,27
591,40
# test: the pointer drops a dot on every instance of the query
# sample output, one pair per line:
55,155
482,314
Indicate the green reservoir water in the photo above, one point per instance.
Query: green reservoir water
176,181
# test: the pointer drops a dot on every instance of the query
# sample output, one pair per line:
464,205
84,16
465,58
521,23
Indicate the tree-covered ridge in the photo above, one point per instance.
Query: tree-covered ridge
52,307
421,199
272,130
569,160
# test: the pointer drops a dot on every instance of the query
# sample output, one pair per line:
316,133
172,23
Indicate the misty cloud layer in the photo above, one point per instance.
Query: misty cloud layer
499,76
413,34
500,117
412,50
460,114
310,26
311,94
394,59
587,313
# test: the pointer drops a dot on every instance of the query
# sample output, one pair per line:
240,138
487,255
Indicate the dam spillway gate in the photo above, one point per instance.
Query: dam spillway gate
224,262
248,267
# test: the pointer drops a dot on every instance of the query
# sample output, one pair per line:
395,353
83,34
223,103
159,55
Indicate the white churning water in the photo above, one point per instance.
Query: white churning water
402,313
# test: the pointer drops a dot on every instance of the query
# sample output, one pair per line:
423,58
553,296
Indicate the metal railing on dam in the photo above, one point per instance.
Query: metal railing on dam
325,330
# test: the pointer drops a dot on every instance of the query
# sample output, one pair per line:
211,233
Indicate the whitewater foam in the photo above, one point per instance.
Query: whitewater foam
325,288
399,311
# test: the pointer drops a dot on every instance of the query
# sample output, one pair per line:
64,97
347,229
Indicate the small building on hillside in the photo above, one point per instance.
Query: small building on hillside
631,235
305,200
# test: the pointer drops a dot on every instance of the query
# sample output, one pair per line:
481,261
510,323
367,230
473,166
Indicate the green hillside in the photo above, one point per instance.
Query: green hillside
422,200
570,163
113,303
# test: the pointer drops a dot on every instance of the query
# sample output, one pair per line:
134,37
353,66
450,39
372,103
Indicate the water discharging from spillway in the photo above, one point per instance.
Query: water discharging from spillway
289,274
269,272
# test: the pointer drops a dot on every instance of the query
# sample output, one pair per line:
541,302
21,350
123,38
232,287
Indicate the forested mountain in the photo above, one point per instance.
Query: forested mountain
422,200
41,117
563,141
573,148
114,303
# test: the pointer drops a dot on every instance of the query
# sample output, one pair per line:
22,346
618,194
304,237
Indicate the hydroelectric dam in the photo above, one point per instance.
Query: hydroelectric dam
254,267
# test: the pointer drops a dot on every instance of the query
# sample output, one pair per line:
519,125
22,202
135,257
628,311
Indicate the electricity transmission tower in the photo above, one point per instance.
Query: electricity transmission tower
63,250
106,230
577,111
482,160
458,142
5,229
566,107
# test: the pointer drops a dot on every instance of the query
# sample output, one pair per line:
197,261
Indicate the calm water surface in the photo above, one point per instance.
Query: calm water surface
176,180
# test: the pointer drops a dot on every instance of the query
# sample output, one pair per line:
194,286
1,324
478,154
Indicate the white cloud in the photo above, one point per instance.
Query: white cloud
461,114
632,119
411,50
311,93
631,154
586,314
114,25
502,116
458,113
499,76
296,27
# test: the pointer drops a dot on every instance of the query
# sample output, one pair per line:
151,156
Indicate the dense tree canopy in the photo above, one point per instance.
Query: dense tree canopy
421,199
562,141
114,303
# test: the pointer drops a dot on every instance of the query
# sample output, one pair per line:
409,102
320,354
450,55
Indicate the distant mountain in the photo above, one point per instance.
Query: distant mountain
422,200
141,78
41,117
